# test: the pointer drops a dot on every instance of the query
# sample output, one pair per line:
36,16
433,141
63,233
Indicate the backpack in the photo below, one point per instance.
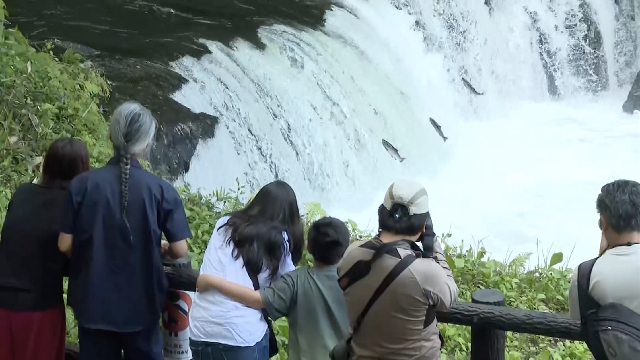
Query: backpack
611,331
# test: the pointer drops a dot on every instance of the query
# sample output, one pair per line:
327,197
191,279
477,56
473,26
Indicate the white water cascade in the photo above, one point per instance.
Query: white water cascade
314,105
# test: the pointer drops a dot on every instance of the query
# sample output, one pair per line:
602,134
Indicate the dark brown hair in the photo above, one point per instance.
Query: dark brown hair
256,231
65,159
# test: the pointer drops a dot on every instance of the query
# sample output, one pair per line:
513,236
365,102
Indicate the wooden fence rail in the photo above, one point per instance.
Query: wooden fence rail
487,316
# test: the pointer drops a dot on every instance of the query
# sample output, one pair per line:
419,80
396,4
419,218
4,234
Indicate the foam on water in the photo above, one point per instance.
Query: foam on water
530,177
313,107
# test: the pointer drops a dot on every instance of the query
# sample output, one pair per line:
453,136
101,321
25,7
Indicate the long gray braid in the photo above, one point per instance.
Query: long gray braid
132,130
125,169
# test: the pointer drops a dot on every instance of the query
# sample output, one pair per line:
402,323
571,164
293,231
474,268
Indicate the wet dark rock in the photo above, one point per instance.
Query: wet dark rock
626,41
134,42
586,57
586,52
633,99
547,55
180,130
489,5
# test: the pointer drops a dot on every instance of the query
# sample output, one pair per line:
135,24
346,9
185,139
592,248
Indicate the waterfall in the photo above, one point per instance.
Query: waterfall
313,106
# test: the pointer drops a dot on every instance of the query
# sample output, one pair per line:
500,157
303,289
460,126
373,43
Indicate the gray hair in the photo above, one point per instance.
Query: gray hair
619,204
131,131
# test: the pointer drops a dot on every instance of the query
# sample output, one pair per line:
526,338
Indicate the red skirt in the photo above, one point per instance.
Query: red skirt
32,335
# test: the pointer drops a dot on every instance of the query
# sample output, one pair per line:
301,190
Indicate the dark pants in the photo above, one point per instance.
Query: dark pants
32,335
215,351
110,345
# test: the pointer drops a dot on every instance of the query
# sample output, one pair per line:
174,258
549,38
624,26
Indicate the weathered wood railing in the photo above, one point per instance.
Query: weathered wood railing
487,316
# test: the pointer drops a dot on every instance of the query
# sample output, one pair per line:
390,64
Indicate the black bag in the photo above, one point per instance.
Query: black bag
342,351
611,331
273,342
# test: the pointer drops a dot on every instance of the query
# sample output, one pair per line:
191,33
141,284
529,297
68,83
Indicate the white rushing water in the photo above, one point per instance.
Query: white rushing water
313,107
528,180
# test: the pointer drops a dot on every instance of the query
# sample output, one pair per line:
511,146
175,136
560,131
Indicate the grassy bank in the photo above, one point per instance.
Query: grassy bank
48,97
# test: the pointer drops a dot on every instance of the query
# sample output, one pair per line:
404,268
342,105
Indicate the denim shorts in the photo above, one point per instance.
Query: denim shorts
203,350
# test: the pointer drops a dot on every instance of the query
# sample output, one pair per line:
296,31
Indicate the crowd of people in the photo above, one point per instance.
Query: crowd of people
108,230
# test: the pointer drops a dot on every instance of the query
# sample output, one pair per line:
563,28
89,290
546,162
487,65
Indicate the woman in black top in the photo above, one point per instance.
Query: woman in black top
32,316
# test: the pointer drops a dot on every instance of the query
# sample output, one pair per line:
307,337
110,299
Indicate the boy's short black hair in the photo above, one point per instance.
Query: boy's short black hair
328,239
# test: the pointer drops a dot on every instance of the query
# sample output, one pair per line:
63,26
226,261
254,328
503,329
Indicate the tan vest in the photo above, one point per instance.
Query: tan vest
394,327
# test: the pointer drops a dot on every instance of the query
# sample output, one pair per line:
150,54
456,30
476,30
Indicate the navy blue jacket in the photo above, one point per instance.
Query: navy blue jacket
116,277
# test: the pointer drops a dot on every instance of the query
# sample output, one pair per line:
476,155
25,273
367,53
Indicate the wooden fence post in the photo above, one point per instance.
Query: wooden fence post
487,343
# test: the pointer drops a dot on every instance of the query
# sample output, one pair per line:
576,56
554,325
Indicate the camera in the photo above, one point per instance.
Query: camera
427,239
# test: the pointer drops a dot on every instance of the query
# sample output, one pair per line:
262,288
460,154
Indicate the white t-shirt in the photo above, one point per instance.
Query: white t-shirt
215,317
615,278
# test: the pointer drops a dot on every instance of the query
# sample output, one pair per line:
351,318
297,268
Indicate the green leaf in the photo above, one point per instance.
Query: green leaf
556,259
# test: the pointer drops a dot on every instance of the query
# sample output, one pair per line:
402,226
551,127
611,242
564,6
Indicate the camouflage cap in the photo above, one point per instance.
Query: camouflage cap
408,193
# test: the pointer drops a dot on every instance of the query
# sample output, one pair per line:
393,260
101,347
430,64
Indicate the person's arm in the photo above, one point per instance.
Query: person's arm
574,303
69,215
280,297
175,226
438,256
277,299
242,294
438,285
65,243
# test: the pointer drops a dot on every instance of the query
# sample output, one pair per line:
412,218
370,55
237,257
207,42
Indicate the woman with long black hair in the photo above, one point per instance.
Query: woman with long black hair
250,247
32,315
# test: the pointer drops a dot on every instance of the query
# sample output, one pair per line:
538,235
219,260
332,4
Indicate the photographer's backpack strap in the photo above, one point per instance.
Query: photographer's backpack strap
361,268
587,303
391,276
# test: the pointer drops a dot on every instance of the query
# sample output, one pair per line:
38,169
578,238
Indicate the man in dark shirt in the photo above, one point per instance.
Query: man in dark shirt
112,230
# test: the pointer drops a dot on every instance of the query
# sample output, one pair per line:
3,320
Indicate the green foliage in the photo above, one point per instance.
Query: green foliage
46,97
544,288
43,98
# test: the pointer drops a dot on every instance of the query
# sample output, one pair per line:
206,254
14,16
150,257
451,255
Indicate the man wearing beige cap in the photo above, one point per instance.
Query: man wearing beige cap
399,321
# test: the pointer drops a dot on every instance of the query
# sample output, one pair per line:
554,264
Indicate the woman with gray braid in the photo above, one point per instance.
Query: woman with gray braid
112,231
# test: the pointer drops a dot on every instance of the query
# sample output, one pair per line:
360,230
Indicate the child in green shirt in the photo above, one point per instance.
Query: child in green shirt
309,297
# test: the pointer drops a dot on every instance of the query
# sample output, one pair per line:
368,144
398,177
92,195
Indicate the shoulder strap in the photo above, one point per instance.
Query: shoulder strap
586,302
391,276
385,248
361,268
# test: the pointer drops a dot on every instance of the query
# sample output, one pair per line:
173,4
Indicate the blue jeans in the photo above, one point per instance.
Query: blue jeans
109,345
202,350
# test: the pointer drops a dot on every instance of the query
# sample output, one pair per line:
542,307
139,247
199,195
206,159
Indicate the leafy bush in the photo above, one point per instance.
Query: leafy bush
43,98
46,97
